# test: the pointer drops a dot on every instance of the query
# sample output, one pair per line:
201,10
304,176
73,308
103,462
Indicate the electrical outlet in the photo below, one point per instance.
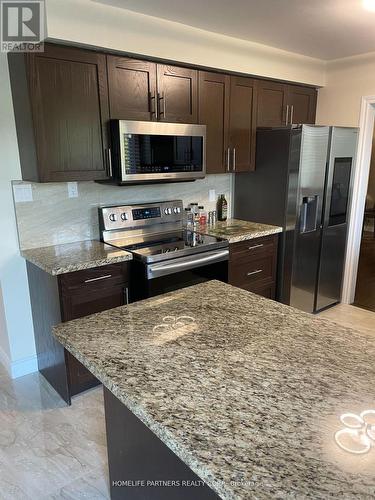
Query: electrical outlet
211,195
72,189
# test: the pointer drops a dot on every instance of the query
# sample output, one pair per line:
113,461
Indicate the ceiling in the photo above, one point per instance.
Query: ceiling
326,29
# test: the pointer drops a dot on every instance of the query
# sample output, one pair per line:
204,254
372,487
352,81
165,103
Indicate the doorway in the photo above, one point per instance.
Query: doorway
365,286
359,194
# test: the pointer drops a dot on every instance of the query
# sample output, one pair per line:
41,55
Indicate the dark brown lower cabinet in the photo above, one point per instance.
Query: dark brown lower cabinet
56,299
253,265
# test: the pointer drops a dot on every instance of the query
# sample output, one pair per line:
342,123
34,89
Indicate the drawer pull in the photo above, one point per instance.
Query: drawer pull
255,272
256,246
99,278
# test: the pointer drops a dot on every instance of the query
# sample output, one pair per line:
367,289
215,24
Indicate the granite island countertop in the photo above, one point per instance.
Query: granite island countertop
235,230
246,391
69,257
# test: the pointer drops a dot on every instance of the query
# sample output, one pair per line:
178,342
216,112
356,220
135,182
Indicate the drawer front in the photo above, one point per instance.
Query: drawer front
267,291
253,249
95,278
253,271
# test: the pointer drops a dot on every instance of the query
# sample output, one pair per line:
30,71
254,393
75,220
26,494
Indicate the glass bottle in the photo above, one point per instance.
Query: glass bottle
222,208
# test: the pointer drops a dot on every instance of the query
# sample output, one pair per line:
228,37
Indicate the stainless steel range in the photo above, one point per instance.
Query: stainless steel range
166,256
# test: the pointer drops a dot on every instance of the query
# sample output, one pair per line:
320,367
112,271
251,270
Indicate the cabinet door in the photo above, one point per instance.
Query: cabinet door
271,104
69,100
302,102
88,292
242,125
214,91
132,88
177,94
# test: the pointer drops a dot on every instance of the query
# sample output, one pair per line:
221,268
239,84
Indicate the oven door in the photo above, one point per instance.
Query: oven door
155,151
186,271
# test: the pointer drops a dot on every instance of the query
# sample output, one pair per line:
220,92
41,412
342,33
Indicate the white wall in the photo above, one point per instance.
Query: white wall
17,349
88,22
347,80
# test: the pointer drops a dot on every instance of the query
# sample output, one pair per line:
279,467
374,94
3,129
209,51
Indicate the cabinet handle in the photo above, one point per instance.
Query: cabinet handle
291,114
99,278
162,98
126,295
228,159
110,173
255,272
287,114
256,246
153,105
234,159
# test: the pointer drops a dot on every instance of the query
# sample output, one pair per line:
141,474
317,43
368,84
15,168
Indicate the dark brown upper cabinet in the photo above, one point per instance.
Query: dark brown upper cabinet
302,104
226,107
177,94
282,104
271,104
242,124
132,88
64,138
214,93
143,90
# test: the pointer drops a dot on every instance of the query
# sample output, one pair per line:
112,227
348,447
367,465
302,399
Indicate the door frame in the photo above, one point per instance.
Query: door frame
359,193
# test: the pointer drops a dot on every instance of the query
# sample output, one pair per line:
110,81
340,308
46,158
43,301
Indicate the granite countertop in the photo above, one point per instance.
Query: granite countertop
235,230
248,393
60,259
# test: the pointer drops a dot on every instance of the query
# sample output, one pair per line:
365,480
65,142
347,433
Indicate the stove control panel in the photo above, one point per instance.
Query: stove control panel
133,216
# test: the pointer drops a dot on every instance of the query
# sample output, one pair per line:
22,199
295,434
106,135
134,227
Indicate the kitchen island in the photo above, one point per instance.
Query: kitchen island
215,384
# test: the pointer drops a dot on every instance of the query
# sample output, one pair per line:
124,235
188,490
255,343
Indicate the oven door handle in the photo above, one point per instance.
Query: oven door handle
155,271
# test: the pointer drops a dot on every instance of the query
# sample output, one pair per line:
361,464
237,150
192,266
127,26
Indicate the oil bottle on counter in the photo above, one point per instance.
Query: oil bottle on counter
222,208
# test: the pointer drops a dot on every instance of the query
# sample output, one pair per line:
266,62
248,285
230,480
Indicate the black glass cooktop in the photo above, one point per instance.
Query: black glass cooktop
174,245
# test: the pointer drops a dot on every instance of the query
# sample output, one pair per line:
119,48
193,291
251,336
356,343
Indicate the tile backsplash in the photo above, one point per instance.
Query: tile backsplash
49,214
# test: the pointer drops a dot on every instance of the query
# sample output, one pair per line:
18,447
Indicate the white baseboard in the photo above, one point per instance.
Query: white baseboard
20,367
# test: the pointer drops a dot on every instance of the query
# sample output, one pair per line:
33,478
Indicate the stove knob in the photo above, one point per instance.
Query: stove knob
169,211
178,210
124,216
175,210
112,217
166,211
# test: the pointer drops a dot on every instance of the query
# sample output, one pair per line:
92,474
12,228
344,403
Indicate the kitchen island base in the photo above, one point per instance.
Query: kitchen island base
141,466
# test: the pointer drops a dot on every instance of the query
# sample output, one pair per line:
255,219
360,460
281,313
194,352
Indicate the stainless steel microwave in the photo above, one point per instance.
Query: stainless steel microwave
157,151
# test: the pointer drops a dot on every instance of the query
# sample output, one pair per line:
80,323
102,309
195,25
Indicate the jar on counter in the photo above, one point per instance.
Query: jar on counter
195,212
188,218
202,216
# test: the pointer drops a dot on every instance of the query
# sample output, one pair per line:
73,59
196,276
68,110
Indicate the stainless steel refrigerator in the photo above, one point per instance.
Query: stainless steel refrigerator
302,182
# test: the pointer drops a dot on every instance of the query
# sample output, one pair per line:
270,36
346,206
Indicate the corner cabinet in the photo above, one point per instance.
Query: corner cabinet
143,90
60,98
65,297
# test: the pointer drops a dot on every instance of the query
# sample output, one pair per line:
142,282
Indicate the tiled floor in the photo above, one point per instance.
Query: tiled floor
49,450
354,317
